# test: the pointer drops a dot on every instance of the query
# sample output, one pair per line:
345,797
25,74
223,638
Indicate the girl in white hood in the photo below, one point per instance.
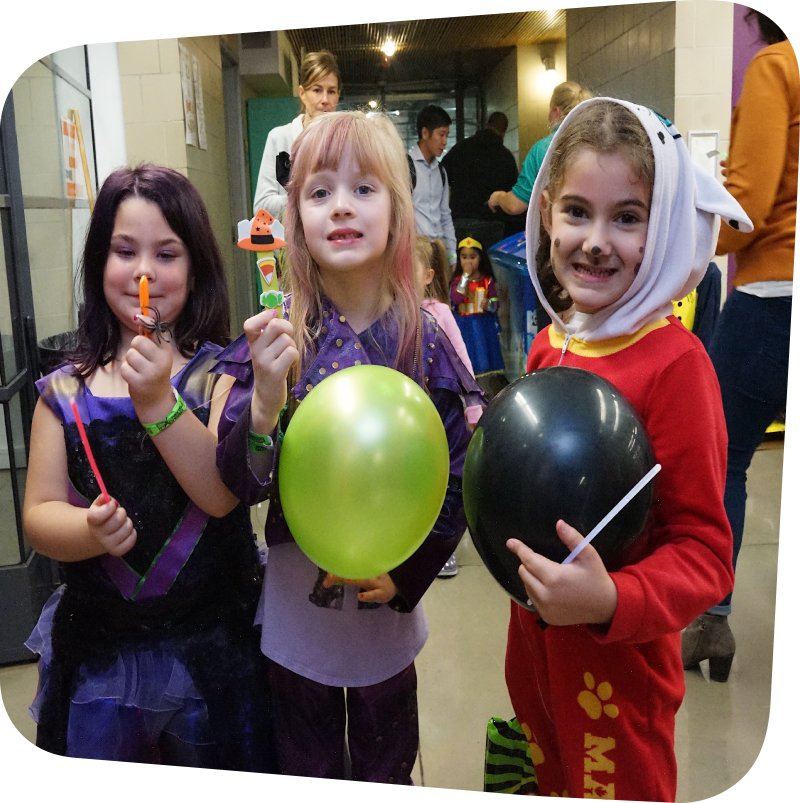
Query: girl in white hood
621,222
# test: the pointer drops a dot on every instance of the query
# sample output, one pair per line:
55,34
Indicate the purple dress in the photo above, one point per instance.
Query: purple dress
125,643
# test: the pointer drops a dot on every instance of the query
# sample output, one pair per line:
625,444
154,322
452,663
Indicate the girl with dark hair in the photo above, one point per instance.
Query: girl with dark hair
473,295
162,571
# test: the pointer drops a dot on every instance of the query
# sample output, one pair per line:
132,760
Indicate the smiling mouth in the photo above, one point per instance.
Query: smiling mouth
593,271
344,234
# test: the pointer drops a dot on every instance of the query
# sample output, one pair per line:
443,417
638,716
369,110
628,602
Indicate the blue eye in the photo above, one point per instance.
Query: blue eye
319,193
364,189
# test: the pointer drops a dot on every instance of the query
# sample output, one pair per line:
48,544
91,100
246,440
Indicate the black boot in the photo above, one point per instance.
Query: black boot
709,637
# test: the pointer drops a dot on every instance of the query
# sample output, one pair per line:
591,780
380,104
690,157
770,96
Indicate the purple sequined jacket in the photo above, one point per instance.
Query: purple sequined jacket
449,383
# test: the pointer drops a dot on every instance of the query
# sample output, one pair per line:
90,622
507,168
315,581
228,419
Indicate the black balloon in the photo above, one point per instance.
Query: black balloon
559,443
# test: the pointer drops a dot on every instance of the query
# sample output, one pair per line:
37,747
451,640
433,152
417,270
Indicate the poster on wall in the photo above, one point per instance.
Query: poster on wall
187,87
198,103
69,141
704,148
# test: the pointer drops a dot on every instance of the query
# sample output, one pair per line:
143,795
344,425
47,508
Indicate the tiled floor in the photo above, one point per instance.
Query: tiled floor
720,727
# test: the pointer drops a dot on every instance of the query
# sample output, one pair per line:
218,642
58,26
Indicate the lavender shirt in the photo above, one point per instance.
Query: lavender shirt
326,635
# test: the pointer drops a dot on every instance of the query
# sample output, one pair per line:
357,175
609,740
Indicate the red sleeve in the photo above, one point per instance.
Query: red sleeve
681,565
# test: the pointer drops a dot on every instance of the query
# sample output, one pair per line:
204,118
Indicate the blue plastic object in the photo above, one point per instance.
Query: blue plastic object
518,308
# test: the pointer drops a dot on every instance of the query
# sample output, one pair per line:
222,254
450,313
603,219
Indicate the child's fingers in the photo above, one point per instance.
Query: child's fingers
254,326
100,512
569,535
374,595
122,540
572,538
536,565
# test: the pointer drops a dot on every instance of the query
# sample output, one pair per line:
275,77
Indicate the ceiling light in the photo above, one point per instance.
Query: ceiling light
373,104
389,47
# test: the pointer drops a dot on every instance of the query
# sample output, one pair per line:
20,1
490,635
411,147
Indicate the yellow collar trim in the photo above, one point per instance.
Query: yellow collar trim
603,348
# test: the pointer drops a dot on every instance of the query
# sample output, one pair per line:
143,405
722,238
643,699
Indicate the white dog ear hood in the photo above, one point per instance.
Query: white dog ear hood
685,213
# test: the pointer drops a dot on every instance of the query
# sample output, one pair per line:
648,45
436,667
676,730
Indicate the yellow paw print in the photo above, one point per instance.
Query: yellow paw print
592,703
564,794
537,756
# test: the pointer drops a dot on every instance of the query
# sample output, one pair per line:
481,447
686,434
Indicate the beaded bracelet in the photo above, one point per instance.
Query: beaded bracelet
180,407
258,443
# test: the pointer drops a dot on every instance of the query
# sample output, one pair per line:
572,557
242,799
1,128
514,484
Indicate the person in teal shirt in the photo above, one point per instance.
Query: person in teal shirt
564,98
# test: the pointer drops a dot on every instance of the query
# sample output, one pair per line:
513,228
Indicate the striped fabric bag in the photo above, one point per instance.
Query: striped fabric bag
508,765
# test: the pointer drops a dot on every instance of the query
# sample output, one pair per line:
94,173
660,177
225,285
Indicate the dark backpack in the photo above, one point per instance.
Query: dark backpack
283,168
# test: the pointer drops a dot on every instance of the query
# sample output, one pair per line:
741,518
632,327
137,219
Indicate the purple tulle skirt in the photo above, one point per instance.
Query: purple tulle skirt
120,713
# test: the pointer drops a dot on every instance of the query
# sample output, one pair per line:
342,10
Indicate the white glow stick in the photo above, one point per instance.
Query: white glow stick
616,509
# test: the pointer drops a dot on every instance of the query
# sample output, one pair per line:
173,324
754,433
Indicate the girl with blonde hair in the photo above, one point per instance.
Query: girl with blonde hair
350,240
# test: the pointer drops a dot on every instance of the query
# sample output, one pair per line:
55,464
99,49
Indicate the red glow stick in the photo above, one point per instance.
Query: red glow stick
85,439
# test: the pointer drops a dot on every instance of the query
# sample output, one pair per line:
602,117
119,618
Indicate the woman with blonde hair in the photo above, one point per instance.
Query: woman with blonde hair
564,99
319,91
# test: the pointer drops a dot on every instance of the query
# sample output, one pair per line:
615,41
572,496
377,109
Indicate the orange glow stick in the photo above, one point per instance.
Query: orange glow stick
144,301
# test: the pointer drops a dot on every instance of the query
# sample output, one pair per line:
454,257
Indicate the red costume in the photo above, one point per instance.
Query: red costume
600,701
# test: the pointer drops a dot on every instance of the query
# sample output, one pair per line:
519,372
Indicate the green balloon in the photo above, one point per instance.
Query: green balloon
363,471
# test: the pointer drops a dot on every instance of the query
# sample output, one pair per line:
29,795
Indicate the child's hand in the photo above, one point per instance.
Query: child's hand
378,589
581,592
273,352
110,526
147,368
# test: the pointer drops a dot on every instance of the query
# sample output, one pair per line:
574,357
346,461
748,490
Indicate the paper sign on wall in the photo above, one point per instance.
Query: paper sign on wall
198,103
69,139
187,87
703,148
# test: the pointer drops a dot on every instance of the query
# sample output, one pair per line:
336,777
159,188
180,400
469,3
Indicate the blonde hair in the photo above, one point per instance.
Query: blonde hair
433,255
604,127
316,66
375,145
568,95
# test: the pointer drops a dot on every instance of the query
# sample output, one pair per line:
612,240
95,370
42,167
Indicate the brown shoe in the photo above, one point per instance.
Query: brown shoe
709,637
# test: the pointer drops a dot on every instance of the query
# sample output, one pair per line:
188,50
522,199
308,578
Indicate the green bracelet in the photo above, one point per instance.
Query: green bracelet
180,407
258,443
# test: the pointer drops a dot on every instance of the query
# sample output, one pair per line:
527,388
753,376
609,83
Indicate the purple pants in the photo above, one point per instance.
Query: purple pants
380,723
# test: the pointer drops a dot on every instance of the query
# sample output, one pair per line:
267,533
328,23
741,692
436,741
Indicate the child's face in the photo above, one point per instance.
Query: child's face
598,228
470,260
346,217
143,244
